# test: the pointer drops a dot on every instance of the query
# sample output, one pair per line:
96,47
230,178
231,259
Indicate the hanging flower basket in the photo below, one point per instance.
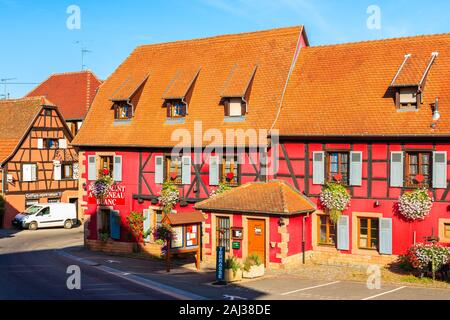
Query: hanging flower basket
335,199
168,197
101,188
415,205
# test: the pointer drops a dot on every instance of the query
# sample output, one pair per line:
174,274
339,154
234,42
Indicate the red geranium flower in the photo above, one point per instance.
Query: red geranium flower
105,172
230,176
420,178
173,176
338,177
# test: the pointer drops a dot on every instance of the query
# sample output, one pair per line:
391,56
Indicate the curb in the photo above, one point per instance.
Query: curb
150,284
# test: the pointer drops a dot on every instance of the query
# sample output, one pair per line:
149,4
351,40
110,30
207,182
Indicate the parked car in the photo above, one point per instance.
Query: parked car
46,215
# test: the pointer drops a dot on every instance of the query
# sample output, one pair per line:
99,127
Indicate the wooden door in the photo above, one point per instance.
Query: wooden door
257,238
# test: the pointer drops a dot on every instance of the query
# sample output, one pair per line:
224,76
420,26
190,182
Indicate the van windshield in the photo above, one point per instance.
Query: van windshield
32,210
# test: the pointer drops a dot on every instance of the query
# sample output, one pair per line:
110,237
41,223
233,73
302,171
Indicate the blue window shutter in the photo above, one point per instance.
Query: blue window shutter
147,224
115,225
356,160
319,167
214,171
343,233
386,236
92,168
117,168
440,170
397,169
186,170
159,170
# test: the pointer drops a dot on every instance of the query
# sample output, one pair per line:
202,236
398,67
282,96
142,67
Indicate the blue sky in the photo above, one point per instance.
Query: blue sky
36,42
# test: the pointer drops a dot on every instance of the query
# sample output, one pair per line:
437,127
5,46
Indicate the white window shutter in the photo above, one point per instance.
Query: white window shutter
26,173
33,172
92,168
147,225
397,169
440,170
386,236
343,233
75,171
117,173
186,170
214,171
40,143
159,170
319,167
62,144
57,172
356,161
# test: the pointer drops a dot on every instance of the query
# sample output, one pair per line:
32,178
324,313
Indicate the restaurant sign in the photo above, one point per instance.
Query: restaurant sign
115,197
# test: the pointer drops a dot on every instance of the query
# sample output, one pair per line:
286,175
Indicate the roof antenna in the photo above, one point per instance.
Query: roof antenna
436,114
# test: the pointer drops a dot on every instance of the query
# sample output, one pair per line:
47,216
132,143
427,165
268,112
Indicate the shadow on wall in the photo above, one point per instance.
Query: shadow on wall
9,212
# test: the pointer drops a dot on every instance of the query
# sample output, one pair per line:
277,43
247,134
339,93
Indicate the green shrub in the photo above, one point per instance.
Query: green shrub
232,264
252,260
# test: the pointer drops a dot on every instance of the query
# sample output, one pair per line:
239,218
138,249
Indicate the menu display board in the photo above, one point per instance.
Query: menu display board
191,236
177,241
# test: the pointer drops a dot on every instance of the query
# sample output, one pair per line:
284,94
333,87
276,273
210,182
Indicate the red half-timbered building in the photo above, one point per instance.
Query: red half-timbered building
376,115
186,93
37,162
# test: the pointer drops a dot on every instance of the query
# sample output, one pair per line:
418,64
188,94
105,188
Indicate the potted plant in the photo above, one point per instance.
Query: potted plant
253,267
415,205
430,257
103,235
163,234
335,199
233,270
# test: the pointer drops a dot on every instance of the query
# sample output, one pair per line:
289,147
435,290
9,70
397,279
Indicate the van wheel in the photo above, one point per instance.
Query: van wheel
68,224
33,226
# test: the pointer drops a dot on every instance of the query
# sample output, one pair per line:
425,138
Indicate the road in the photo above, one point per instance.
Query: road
30,268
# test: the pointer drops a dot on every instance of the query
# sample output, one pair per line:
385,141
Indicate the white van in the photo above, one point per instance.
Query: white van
46,215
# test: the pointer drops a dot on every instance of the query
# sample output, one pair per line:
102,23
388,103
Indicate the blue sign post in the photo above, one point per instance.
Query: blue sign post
220,264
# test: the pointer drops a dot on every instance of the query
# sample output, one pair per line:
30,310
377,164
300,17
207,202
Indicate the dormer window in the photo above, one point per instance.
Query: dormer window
176,109
123,111
235,107
408,98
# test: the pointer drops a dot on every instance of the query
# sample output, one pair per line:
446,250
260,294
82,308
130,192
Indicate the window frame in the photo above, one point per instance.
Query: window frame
407,177
22,175
173,105
224,237
56,143
118,107
329,224
102,165
369,233
63,171
235,167
168,172
329,175
447,230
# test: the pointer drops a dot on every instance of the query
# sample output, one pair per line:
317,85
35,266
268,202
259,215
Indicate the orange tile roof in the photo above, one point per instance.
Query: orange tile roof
17,117
274,197
343,90
72,92
129,87
239,81
185,218
181,83
271,50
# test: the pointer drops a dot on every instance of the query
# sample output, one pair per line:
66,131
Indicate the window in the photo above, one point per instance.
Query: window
123,111
447,230
44,212
67,171
230,171
105,221
54,200
368,233
408,98
51,143
339,165
418,169
176,109
30,203
106,165
235,107
174,170
327,231
223,232
29,172
158,218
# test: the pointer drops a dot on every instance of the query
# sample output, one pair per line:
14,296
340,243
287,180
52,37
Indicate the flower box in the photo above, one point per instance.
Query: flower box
231,276
254,272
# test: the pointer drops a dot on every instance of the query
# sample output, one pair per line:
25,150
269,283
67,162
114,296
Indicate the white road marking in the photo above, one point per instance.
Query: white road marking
309,288
383,293
228,297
